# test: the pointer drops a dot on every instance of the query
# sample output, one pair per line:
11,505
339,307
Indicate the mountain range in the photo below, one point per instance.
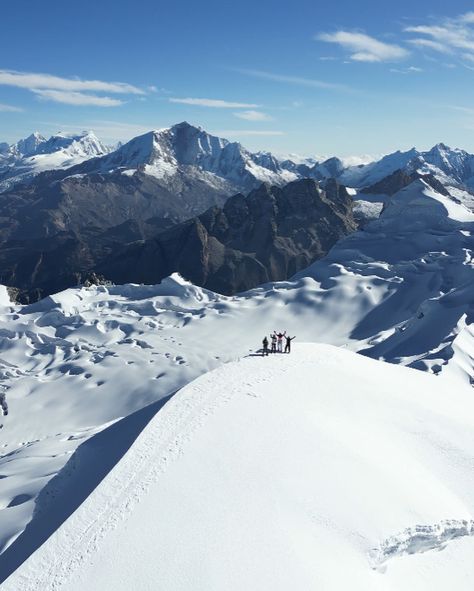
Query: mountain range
70,204
184,150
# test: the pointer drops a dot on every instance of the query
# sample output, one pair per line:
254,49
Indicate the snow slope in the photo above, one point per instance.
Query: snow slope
318,470
405,283
82,360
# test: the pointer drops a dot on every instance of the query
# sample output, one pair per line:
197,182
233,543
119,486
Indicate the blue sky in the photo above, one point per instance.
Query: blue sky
345,78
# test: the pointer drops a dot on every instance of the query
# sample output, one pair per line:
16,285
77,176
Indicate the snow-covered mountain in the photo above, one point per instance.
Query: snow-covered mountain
452,166
23,161
77,365
188,150
185,150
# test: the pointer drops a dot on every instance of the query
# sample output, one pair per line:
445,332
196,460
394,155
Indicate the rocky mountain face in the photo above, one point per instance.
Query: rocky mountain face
268,235
52,233
399,180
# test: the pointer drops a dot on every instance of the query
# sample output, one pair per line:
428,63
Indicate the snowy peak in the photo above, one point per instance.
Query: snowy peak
85,144
22,161
30,145
193,146
443,160
330,168
190,150
181,144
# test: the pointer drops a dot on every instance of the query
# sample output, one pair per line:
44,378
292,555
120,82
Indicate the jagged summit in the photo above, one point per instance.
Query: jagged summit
30,145
186,149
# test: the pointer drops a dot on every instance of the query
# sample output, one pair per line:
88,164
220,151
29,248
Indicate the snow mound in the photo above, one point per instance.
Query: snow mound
292,471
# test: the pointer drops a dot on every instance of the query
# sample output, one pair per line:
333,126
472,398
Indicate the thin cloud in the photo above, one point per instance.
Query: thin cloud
30,80
10,108
364,48
430,44
467,110
409,70
253,116
247,132
77,98
449,35
295,80
69,91
213,103
467,18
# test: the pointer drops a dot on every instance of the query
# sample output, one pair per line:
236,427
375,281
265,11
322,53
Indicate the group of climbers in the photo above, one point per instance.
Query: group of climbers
276,339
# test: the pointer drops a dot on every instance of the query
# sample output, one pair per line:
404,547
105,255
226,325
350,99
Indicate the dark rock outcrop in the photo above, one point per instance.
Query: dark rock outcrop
399,180
268,235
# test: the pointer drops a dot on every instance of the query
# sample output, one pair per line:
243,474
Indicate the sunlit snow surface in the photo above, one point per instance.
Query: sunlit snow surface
316,470
78,361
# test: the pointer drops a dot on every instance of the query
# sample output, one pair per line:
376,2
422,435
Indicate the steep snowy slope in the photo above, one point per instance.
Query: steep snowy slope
318,470
33,155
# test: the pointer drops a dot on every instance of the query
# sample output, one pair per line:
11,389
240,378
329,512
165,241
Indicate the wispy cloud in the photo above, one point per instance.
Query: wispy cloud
295,80
10,108
409,70
364,48
107,130
253,116
69,91
213,103
430,44
467,110
448,35
77,98
30,80
247,132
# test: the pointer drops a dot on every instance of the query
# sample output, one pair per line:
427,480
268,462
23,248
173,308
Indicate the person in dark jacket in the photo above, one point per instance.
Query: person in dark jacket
265,347
288,344
274,343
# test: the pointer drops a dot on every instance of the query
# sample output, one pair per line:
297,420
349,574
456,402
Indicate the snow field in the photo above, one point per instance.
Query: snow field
319,469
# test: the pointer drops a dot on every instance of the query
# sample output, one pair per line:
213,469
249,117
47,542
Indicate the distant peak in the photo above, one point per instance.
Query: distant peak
440,147
186,125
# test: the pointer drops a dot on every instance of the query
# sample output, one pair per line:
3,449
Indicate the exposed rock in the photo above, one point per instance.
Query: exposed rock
268,235
401,179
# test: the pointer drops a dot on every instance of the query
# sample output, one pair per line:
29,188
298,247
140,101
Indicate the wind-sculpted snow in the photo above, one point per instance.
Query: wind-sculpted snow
276,473
75,363
411,274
